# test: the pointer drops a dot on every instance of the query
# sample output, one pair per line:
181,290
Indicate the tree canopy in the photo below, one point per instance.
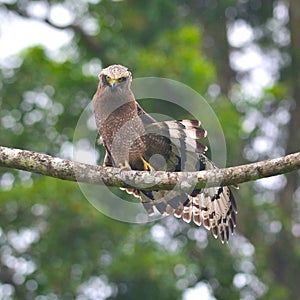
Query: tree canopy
243,57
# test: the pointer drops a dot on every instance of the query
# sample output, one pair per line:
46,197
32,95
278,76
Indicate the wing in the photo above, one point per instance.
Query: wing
214,208
146,118
177,142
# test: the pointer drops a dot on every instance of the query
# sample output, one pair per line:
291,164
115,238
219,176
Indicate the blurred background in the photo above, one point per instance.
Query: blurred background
243,56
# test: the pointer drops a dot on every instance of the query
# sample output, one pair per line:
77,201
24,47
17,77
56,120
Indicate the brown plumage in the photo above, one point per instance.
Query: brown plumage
134,140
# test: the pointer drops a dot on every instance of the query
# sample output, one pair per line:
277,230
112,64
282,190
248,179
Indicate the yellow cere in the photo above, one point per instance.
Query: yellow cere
113,82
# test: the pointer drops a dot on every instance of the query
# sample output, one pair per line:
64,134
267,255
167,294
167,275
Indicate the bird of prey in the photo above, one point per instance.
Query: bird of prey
134,140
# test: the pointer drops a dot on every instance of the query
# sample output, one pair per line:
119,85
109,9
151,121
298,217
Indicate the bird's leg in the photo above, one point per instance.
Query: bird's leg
125,166
147,166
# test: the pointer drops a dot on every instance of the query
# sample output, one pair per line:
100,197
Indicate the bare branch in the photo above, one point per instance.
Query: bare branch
74,171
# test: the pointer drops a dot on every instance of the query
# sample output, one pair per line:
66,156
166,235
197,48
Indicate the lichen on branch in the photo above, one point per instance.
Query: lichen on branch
74,171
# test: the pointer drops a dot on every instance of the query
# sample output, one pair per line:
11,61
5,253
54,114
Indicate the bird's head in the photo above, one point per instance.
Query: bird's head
114,76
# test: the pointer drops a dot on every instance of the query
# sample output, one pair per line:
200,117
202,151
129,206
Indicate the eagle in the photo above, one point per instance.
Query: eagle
134,140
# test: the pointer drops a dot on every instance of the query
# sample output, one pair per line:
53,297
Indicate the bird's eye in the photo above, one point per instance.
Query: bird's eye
122,79
107,77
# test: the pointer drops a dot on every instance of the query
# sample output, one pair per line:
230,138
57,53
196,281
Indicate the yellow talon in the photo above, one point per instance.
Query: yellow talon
147,166
125,166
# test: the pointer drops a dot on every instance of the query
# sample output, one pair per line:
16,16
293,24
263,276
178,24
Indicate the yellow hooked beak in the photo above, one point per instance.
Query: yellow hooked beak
113,82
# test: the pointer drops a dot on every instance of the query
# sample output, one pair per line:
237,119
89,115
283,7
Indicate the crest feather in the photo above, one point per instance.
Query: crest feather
116,72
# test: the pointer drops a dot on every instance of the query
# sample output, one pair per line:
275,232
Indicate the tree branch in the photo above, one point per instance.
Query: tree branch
74,171
89,40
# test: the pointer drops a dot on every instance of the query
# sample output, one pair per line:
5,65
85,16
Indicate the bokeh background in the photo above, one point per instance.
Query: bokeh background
243,56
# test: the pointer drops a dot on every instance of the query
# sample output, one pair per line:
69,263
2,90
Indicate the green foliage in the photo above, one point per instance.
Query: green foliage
36,98
54,243
170,52
75,241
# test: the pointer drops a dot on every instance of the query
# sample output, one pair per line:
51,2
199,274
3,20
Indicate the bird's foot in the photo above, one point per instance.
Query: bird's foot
147,166
125,166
